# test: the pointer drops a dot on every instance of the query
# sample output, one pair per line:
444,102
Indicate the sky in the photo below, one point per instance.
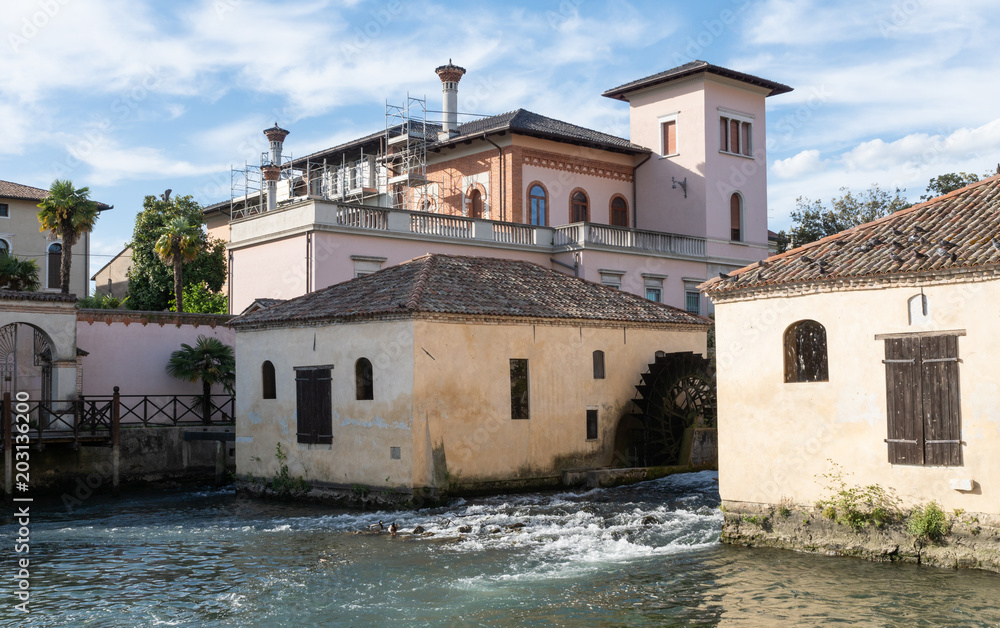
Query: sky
132,97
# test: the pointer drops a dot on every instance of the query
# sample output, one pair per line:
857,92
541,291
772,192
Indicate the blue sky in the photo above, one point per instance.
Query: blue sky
132,97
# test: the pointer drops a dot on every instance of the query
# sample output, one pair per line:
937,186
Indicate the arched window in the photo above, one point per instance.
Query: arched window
538,205
579,207
736,217
363,384
598,364
619,212
268,388
4,246
55,266
805,352
477,204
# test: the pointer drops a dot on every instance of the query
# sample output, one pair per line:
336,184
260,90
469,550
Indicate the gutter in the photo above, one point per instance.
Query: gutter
503,211
635,198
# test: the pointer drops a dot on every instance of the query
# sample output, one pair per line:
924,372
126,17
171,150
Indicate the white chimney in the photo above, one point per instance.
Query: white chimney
272,170
450,76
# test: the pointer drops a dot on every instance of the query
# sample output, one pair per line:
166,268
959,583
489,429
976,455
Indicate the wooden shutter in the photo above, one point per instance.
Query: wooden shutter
902,381
734,136
598,364
314,412
669,138
940,400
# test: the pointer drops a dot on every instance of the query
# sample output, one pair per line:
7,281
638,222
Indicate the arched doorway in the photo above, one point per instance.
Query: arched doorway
25,361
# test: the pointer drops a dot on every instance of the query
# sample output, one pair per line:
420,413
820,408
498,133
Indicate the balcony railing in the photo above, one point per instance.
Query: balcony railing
423,224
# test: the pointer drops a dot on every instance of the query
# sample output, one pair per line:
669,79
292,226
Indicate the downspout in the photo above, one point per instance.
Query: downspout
635,193
309,239
503,210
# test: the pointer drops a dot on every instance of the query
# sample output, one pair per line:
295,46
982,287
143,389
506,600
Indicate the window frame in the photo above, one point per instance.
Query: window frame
544,204
663,123
611,278
621,210
593,433
268,380
364,390
4,210
653,283
598,358
738,233
314,405
58,269
743,138
573,204
796,370
520,401
688,293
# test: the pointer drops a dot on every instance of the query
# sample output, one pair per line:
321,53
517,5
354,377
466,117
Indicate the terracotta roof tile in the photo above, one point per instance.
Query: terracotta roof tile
9,189
471,286
960,230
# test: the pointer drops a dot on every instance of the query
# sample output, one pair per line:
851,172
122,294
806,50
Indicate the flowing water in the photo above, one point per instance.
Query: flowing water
645,555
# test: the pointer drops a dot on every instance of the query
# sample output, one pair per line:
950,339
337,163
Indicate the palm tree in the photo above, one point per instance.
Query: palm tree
209,360
67,212
179,242
18,274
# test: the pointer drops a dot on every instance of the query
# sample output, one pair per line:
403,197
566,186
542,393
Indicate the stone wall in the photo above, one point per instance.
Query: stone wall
145,455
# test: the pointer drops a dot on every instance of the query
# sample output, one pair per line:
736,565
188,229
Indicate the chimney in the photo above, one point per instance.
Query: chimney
272,170
450,76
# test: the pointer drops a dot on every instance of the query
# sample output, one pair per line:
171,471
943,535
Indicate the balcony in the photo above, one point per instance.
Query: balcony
441,227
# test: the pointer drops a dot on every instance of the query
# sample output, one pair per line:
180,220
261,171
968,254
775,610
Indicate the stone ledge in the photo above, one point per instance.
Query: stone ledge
974,540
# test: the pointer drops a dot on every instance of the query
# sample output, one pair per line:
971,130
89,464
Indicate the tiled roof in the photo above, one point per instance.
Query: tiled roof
467,286
689,69
527,123
957,231
9,189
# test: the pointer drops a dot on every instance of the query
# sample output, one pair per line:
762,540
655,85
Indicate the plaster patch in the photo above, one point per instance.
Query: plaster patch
255,418
376,422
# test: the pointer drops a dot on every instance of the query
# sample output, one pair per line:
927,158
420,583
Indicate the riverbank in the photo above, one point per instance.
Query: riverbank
972,540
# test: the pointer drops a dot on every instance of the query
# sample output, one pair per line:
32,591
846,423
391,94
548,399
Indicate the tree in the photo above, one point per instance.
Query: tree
151,283
17,273
179,242
209,360
67,212
812,220
942,184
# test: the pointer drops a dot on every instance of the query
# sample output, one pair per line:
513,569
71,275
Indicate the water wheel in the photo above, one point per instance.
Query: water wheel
677,394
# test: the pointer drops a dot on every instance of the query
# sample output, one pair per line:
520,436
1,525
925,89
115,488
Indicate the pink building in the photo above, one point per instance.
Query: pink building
682,200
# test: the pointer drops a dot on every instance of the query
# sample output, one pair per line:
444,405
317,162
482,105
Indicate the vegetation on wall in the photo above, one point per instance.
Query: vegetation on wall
200,299
151,282
102,302
857,506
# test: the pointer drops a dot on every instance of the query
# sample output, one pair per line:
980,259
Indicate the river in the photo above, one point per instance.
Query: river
644,555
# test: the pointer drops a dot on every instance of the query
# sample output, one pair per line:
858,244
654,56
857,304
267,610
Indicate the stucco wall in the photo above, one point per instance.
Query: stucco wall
775,439
20,230
134,356
363,431
462,398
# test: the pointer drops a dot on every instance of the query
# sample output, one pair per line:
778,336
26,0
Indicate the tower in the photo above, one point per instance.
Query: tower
450,76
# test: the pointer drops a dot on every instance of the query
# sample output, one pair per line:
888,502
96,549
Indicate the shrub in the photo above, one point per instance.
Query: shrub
858,506
928,522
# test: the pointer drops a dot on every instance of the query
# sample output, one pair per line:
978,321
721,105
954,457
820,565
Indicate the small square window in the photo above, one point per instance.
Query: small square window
4,210
692,301
394,453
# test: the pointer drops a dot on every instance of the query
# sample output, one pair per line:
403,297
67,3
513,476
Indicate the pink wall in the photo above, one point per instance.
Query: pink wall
133,356
275,270
560,184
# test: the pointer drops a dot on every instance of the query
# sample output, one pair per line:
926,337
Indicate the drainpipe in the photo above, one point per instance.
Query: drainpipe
635,194
575,267
503,211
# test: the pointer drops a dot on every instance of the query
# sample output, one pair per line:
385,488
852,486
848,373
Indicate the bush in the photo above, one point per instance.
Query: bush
858,506
928,522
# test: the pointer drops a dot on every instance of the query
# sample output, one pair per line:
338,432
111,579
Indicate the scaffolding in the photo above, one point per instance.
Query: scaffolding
405,157
247,188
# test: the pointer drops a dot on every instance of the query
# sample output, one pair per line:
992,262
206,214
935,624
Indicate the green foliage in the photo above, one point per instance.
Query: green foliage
858,506
945,183
102,302
209,360
180,240
199,298
283,484
67,212
928,522
812,220
18,274
757,520
151,282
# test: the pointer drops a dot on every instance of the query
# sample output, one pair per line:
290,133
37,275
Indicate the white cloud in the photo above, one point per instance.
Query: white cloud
808,161
110,164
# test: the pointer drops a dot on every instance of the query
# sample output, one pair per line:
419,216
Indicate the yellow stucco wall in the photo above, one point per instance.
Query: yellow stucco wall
775,439
363,431
462,398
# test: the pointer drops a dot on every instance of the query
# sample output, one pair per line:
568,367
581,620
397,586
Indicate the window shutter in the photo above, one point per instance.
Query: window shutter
323,417
304,406
940,400
902,380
